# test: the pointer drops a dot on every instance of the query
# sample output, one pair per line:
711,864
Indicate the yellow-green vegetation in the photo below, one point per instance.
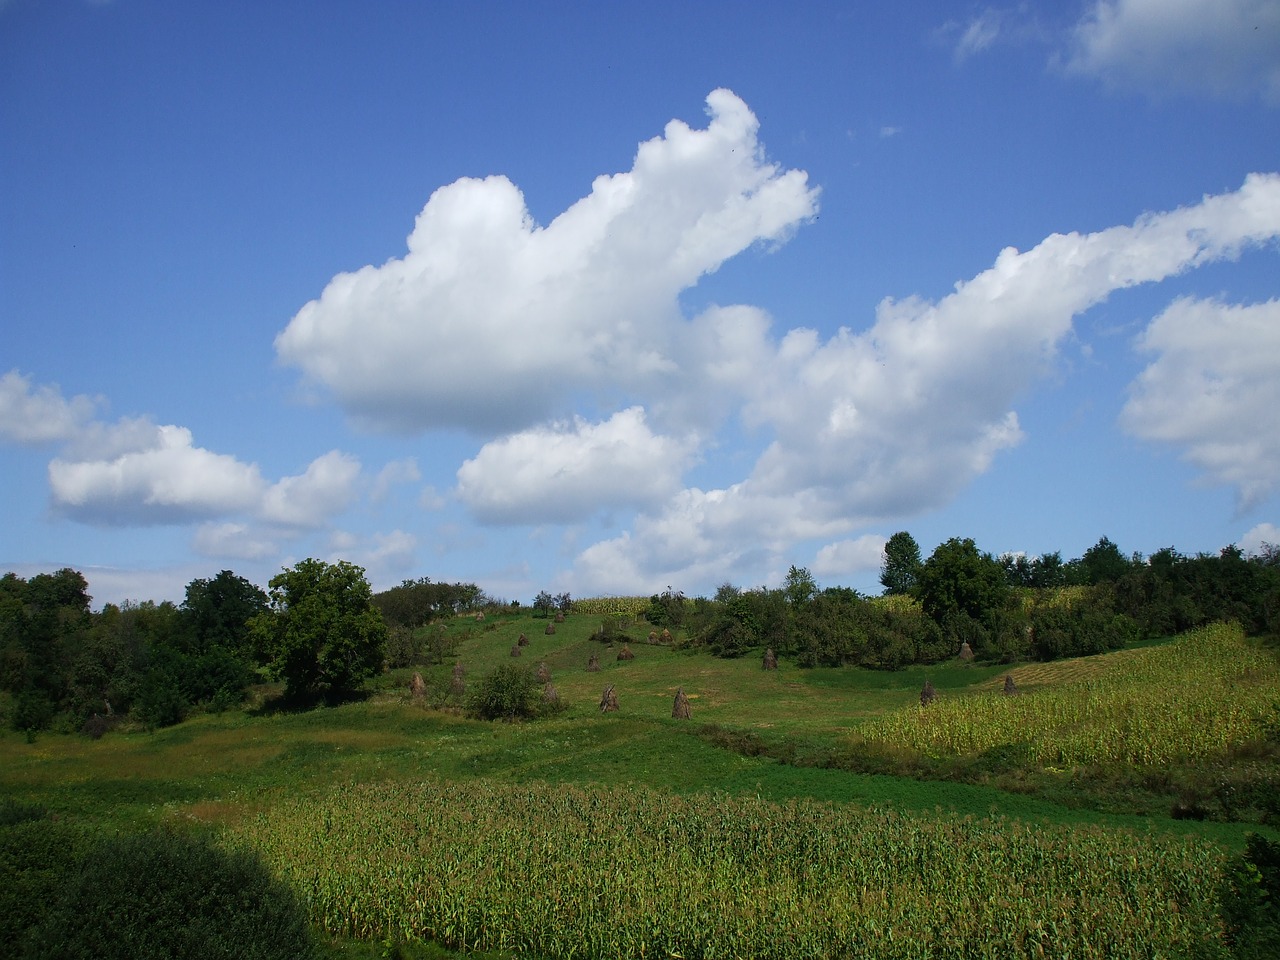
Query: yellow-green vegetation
611,606
1201,696
561,871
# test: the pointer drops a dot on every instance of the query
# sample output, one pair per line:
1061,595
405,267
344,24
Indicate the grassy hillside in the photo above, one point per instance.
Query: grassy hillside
769,747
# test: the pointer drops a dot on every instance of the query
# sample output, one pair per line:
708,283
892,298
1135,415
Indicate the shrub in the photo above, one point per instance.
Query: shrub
162,895
507,693
1251,900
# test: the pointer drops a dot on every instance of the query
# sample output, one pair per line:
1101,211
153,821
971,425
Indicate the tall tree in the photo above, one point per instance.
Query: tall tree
218,611
960,579
321,631
901,570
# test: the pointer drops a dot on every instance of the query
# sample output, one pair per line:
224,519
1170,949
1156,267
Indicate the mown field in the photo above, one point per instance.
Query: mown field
769,824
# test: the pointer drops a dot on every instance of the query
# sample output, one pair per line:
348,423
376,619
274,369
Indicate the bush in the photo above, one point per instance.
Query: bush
508,693
163,895
1251,900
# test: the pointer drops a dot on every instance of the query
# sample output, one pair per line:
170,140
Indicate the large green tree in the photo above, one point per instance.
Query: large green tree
218,611
321,632
958,578
900,572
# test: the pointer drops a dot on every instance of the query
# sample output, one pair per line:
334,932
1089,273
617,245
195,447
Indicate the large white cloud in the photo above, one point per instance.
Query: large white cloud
1213,391
164,478
897,419
491,322
565,471
1213,46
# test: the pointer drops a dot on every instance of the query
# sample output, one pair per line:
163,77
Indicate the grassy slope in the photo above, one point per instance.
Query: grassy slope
218,767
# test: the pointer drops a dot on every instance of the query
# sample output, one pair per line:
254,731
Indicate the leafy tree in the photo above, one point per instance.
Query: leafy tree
799,587
1103,563
321,632
544,602
958,580
900,572
218,611
510,692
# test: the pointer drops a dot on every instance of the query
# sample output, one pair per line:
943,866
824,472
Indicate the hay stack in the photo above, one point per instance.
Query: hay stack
551,628
480,617
680,709
608,700
1010,688
550,694
625,653
544,672
653,636
515,650
523,640
593,664
559,616
417,689
928,694
666,635
966,652
770,659
456,685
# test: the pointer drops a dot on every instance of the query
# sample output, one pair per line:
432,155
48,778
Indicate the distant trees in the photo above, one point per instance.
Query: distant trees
321,632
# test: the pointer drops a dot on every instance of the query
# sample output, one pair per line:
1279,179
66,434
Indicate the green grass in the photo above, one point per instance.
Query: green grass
223,770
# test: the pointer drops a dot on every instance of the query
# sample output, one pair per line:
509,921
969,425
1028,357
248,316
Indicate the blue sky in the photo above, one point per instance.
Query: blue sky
602,299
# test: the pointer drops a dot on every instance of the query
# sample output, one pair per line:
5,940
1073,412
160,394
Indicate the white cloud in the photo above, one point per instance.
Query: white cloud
1251,543
846,557
163,478
978,34
39,415
900,418
235,541
491,322
565,471
1220,47
1213,391
395,472
312,498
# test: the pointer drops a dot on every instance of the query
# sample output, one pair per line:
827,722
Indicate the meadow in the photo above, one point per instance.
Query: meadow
766,825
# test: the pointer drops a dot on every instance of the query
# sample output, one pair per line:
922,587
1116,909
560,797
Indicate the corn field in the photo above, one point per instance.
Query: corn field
611,606
1198,697
568,872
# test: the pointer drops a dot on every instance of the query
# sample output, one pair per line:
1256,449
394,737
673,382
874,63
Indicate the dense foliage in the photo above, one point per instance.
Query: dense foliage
321,632
415,603
69,668
1005,609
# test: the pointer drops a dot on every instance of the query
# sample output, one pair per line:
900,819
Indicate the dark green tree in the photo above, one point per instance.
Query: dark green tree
958,580
900,572
218,612
321,632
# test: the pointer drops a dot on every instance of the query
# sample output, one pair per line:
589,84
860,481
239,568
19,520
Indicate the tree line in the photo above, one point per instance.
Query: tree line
318,627
1004,609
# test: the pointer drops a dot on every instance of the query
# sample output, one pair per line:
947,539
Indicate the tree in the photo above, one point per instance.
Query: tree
218,611
901,570
959,579
544,602
799,587
321,632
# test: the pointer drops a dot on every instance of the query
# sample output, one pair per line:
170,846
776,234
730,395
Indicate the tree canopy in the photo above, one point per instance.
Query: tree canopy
900,572
321,632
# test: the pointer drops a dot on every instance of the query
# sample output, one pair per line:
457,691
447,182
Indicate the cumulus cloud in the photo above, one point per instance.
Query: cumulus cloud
564,471
236,541
1253,542
37,415
846,557
326,488
899,418
491,322
1220,47
1212,391
163,478
394,473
